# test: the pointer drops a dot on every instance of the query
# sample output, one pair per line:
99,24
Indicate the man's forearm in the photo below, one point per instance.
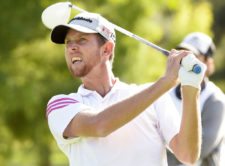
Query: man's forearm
187,143
123,112
191,120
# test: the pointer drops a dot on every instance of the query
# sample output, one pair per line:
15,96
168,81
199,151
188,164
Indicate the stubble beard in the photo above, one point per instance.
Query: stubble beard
82,69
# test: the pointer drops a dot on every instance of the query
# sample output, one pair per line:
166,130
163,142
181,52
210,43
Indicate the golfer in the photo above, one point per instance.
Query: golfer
107,122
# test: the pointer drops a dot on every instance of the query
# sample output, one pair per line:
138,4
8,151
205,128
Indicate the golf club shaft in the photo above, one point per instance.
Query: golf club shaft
128,33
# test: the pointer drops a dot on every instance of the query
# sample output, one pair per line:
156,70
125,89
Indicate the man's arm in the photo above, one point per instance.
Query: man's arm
87,123
186,144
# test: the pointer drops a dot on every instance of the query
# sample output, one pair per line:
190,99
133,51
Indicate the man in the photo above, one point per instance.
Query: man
110,123
212,103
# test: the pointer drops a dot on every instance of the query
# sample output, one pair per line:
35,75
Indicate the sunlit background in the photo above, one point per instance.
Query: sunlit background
32,69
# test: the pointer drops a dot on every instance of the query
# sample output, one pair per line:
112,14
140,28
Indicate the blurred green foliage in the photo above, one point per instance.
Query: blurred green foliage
32,69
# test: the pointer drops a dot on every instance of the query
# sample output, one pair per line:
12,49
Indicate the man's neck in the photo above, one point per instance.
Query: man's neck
101,83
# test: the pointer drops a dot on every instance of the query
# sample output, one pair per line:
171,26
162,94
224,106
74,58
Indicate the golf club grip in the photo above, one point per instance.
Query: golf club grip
197,69
190,65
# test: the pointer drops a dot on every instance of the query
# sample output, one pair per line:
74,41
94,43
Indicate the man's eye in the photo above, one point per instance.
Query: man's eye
82,40
68,41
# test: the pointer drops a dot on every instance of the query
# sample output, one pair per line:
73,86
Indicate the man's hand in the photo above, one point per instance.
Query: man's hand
173,66
188,77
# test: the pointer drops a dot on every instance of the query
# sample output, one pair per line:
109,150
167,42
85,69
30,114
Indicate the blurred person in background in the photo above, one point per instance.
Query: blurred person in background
212,103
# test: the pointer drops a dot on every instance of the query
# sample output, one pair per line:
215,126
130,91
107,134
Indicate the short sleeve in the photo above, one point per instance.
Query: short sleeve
61,109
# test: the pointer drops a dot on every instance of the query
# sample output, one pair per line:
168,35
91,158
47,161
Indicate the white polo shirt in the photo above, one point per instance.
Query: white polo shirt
141,142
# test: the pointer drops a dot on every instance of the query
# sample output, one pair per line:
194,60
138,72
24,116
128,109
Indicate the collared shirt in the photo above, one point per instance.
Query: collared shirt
141,142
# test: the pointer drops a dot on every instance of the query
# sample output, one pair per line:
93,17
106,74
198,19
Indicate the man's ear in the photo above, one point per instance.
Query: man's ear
107,50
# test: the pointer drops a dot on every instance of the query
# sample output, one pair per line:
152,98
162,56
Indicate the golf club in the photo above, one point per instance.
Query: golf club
59,13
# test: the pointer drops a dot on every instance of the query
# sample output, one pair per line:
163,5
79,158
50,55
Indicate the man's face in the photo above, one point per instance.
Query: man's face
82,52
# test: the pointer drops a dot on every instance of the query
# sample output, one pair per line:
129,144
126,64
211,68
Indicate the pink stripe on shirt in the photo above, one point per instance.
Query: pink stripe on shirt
59,103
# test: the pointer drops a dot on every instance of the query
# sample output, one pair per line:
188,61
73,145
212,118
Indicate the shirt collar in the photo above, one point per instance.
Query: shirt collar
85,92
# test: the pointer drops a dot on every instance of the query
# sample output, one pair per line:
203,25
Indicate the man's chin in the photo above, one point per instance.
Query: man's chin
76,74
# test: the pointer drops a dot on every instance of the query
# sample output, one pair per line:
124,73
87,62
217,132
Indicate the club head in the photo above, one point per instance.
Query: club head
58,13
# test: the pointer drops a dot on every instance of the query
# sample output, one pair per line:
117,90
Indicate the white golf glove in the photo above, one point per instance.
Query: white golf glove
187,76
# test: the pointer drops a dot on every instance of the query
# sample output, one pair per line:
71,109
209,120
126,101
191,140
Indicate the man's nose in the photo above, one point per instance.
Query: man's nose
73,45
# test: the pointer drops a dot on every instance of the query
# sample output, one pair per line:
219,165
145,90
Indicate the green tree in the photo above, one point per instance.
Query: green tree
32,69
